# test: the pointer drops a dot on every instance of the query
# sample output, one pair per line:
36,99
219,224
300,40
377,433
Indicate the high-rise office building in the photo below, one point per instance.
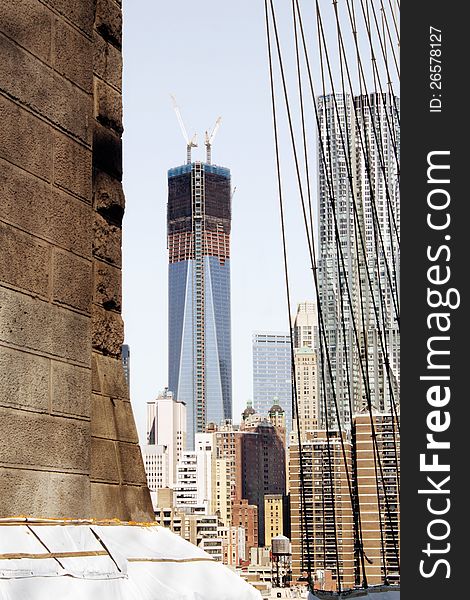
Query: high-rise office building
277,418
305,325
344,516
204,480
274,505
358,266
216,471
200,362
308,397
261,468
246,515
327,542
166,427
156,463
272,373
377,484
191,489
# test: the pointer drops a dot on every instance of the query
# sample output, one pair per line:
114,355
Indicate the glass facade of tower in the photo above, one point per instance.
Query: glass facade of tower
200,362
272,373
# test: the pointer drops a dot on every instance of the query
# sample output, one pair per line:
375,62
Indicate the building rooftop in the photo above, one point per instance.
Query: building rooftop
182,169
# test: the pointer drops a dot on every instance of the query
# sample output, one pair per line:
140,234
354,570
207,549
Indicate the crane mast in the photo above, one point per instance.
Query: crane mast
209,139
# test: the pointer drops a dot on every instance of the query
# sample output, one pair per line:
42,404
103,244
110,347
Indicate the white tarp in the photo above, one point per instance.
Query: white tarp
65,561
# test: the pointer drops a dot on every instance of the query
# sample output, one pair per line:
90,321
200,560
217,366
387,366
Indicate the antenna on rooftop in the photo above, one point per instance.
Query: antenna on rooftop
209,138
190,143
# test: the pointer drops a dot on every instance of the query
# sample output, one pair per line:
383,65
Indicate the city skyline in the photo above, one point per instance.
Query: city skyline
244,143
200,334
267,309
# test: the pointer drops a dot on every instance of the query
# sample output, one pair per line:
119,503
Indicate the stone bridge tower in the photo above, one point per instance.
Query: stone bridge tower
68,441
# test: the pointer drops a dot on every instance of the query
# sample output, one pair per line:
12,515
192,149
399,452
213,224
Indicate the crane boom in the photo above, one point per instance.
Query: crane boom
190,143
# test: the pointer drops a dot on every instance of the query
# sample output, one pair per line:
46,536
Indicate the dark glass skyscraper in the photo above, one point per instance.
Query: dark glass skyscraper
200,356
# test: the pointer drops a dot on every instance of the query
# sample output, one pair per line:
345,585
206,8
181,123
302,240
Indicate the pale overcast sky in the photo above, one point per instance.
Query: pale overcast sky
212,55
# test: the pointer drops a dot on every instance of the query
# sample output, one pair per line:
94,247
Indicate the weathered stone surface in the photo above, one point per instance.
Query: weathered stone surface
108,198
44,91
107,61
107,151
62,253
139,503
129,503
107,331
72,281
73,55
113,419
80,13
21,21
108,502
104,461
44,494
110,376
108,106
44,441
106,241
132,469
70,389
25,262
24,380
108,21
31,323
25,140
102,417
95,376
32,205
107,286
72,166
125,424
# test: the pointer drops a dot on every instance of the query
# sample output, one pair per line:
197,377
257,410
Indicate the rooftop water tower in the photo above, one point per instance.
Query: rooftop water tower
281,556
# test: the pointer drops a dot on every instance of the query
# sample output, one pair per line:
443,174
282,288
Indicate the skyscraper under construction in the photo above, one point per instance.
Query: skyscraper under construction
200,359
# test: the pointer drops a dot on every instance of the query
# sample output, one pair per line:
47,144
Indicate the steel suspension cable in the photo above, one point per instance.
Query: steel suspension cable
363,247
366,382
314,264
302,113
382,45
334,97
309,241
394,285
362,81
304,522
361,68
394,19
334,212
356,513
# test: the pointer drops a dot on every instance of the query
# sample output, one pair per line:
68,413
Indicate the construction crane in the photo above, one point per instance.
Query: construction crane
190,143
210,138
